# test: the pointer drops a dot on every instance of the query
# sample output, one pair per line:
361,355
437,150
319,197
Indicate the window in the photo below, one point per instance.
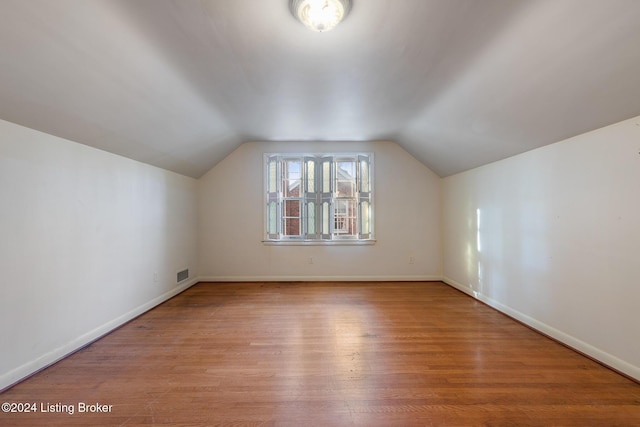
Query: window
318,198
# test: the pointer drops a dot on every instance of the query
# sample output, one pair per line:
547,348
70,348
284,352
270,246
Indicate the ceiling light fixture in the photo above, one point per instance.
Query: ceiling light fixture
320,15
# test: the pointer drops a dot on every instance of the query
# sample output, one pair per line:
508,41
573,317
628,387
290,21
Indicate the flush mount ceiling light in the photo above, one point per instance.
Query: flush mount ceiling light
320,15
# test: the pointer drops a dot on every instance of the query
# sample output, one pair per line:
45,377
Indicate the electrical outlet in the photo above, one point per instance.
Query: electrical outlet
155,276
310,260
412,260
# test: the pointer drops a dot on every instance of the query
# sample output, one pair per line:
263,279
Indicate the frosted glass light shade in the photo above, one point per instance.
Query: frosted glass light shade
320,15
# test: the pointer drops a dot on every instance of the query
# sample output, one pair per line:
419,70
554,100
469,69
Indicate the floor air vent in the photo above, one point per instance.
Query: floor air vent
183,275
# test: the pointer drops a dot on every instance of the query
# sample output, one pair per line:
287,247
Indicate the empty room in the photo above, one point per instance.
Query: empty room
320,212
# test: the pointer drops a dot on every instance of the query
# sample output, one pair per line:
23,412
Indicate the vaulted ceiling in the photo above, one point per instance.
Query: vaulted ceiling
181,83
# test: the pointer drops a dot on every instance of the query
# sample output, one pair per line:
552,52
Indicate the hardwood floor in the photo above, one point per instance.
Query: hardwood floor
326,354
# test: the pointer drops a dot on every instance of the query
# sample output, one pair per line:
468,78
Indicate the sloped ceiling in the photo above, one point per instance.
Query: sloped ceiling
180,84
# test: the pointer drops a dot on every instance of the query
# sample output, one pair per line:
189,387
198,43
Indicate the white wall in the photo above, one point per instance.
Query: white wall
407,221
552,237
82,233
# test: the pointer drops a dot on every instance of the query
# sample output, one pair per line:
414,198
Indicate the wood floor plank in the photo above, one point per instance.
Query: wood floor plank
326,354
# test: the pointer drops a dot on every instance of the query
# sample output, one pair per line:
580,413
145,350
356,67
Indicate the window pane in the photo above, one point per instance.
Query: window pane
364,176
292,169
311,177
364,218
291,226
339,218
272,176
291,188
273,218
311,218
325,218
291,218
291,178
347,169
291,208
345,217
346,179
326,177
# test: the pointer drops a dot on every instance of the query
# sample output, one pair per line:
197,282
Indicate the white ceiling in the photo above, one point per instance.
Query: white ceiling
180,84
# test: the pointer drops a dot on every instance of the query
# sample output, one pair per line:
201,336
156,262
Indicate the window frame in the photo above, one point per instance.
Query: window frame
318,199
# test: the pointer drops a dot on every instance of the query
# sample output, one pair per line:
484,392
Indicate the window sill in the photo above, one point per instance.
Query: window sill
344,242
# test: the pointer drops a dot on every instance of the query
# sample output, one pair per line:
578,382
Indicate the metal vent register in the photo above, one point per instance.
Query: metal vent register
183,275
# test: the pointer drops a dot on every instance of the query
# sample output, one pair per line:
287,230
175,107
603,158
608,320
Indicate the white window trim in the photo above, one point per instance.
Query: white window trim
335,238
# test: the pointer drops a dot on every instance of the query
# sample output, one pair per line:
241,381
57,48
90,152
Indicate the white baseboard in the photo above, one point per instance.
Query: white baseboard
320,278
459,286
569,340
29,368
